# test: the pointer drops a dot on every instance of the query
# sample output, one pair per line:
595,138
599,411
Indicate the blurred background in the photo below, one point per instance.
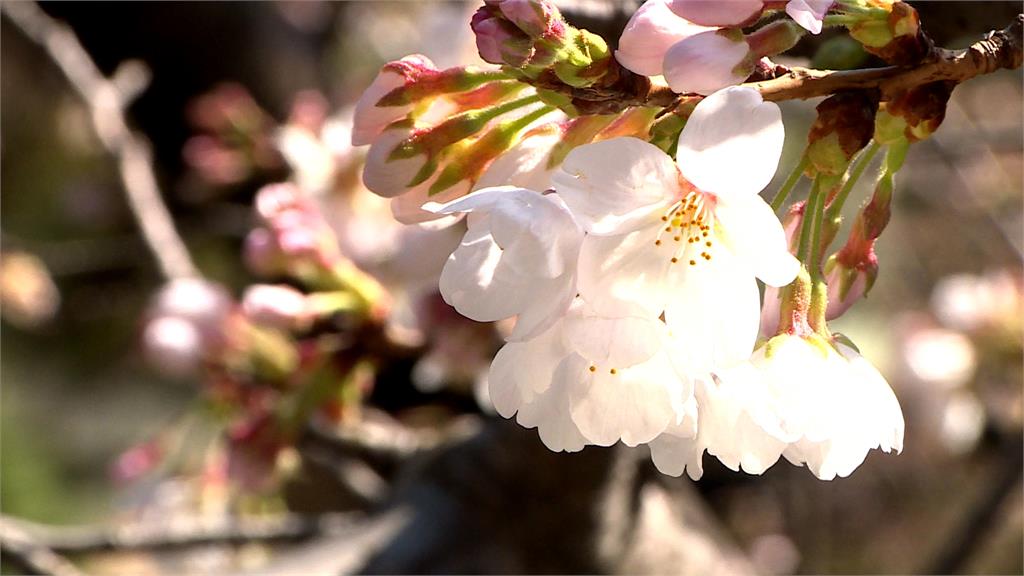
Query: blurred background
115,413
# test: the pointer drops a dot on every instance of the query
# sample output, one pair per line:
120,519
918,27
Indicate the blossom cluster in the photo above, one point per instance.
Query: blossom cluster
632,279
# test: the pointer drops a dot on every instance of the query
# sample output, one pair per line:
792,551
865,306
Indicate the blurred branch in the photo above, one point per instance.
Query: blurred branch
26,553
107,100
167,535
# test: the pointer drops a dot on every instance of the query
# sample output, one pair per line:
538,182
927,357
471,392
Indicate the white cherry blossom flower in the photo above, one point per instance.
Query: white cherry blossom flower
685,240
717,12
518,258
809,13
708,61
592,380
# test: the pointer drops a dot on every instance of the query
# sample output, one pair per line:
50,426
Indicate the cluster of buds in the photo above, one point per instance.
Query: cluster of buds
235,143
530,37
433,133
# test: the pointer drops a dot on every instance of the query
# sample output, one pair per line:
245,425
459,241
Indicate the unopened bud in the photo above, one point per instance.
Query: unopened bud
173,346
845,124
537,18
200,302
648,35
262,254
370,118
498,40
281,307
850,276
774,38
387,176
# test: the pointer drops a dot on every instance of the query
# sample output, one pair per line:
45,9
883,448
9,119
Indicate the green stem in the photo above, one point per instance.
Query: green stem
857,169
495,111
813,261
811,214
787,187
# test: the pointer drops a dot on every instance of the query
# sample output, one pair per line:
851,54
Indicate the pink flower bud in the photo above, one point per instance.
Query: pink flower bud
717,12
534,17
262,254
369,119
848,283
173,346
498,40
204,304
274,199
648,35
707,62
281,306
389,177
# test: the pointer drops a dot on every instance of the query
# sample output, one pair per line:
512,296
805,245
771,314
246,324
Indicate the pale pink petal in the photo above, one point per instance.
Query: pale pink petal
369,120
648,35
614,342
522,370
717,12
617,185
707,62
732,143
808,13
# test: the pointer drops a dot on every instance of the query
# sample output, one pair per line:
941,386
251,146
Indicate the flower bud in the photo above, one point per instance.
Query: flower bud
370,119
253,447
716,12
387,176
849,277
648,35
173,346
708,61
202,303
845,124
536,18
261,253
281,307
499,41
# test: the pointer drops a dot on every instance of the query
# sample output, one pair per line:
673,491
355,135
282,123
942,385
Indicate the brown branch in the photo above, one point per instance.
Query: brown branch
170,535
107,100
623,89
26,552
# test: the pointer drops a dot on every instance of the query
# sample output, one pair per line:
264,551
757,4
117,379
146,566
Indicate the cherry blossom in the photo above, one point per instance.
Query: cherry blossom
684,239
518,258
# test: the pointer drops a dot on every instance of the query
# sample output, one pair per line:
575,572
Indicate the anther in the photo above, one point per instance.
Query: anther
693,262
593,368
612,371
674,260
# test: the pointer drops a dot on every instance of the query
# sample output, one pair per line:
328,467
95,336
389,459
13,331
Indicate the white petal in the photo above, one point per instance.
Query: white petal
633,404
650,32
626,275
706,62
717,12
887,420
408,207
732,143
549,413
550,301
613,186
714,312
808,13
673,455
522,370
474,282
614,342
755,235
